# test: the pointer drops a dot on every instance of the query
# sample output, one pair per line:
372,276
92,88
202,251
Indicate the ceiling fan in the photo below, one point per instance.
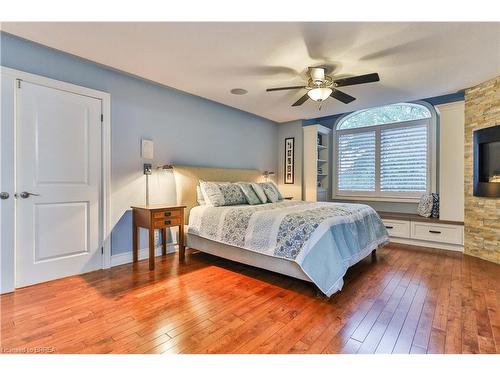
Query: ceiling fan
321,86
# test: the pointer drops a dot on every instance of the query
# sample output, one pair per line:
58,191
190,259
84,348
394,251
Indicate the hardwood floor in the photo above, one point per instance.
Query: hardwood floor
406,300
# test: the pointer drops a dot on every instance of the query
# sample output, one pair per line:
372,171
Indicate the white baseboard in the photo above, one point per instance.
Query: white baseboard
123,258
435,245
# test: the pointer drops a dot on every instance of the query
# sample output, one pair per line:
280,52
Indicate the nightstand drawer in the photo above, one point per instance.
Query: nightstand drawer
157,216
166,214
167,222
397,228
437,232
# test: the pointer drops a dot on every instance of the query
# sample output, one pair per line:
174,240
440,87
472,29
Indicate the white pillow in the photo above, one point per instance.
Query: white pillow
222,193
199,196
211,193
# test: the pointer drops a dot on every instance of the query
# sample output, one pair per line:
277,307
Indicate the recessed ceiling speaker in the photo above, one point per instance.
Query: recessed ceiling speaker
238,91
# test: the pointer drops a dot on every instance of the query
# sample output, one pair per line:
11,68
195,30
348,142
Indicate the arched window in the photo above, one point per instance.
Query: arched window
387,114
384,152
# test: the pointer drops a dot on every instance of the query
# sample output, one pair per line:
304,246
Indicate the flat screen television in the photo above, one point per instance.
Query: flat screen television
487,162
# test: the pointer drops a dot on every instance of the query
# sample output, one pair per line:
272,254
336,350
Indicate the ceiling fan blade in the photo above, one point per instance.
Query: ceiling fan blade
342,96
357,80
286,88
301,100
317,74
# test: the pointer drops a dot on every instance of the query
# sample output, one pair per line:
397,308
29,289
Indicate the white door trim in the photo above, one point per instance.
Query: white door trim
8,268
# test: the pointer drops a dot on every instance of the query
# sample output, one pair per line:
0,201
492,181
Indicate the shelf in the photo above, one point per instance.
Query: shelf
317,145
415,217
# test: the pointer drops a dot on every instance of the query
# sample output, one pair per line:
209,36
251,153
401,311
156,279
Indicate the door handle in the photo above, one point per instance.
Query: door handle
4,195
26,194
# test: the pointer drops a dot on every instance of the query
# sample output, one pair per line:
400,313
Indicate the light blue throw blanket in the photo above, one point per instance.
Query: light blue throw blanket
324,239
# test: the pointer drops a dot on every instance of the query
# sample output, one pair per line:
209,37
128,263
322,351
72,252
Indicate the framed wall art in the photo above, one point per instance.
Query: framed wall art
289,160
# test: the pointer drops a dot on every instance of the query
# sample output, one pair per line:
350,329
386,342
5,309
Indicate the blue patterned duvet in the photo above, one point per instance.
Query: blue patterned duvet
324,239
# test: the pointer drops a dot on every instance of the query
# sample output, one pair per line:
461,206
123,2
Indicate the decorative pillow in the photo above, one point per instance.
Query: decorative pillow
425,205
259,192
435,205
222,193
199,196
232,194
272,192
212,194
249,193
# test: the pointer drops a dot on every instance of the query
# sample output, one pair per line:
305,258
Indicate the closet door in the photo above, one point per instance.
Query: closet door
58,179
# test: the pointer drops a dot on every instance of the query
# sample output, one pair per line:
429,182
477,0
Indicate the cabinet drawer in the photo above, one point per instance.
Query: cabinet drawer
166,222
166,214
397,228
452,234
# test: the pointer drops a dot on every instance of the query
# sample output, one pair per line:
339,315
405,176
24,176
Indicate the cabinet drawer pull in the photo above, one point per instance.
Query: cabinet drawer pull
389,227
167,222
168,213
434,231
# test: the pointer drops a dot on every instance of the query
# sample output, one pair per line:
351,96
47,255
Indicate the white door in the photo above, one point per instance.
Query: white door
58,158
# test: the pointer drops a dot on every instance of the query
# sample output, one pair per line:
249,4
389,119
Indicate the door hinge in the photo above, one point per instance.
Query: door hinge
18,83
102,117
102,250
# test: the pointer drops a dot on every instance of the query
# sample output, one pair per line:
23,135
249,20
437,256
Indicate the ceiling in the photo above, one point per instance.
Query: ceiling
414,60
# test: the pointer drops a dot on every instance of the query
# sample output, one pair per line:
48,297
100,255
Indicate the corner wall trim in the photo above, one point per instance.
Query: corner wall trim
124,258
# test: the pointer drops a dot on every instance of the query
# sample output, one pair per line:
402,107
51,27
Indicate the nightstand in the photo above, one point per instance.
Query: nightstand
157,216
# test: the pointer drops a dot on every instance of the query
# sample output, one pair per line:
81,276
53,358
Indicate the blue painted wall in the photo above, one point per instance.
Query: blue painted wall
186,129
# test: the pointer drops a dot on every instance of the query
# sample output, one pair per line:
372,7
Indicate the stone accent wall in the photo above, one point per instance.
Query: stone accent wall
482,215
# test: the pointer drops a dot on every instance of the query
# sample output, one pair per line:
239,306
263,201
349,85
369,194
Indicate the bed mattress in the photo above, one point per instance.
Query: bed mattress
323,239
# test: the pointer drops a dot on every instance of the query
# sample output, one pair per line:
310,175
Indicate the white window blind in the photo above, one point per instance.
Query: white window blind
403,159
356,162
385,152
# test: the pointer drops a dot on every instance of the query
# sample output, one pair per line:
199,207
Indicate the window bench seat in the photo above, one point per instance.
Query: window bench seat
414,229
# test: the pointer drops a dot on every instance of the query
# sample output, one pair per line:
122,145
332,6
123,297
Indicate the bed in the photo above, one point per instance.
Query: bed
311,241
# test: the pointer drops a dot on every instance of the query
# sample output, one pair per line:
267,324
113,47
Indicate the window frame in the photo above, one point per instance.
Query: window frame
377,195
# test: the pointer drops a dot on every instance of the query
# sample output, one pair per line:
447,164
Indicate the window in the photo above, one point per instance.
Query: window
384,115
384,152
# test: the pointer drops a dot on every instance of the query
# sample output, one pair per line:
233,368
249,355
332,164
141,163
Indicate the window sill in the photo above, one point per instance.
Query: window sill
376,199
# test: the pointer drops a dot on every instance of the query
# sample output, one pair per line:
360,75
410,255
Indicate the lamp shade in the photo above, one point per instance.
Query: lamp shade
319,94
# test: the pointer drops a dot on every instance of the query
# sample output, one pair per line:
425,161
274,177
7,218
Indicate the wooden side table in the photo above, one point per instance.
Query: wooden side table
157,216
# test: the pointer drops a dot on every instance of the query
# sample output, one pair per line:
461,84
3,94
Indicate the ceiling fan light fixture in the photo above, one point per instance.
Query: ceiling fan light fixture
319,94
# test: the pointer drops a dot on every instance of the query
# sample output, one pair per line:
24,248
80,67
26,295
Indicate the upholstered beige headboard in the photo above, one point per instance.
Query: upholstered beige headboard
188,177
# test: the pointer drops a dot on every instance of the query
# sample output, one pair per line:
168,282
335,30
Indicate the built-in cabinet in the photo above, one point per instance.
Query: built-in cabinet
416,230
451,162
316,168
